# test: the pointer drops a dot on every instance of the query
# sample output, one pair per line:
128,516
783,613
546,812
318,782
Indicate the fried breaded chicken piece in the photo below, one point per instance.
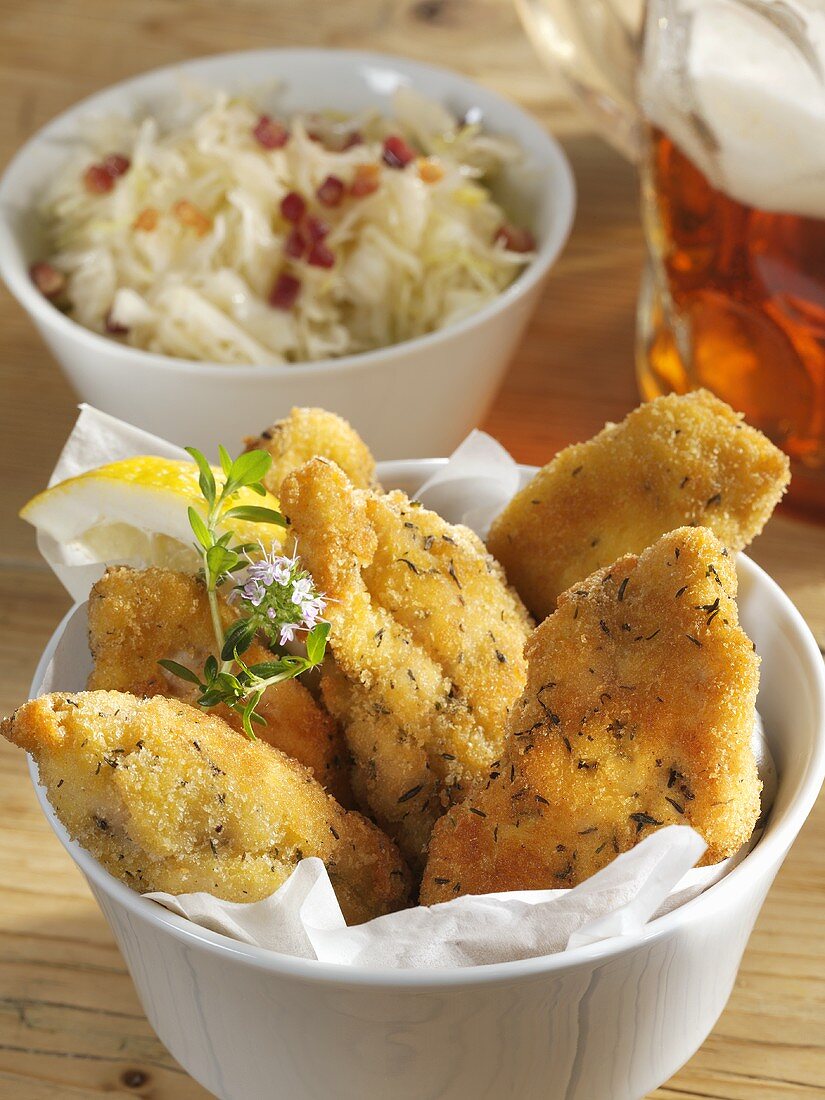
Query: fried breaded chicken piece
674,462
138,616
168,798
427,641
638,713
310,433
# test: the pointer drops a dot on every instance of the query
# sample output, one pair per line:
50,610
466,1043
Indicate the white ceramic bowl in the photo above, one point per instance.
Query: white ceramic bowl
419,397
606,1022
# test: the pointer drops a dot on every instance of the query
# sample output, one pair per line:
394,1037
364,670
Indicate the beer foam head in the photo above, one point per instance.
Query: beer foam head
739,86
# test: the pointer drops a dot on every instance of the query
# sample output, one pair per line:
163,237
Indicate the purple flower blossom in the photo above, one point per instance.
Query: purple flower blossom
281,596
302,590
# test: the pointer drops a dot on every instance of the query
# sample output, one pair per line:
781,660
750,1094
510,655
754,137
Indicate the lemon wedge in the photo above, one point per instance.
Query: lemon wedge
134,512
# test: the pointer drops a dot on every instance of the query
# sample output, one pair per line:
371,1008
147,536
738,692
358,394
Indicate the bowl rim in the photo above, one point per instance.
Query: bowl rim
542,146
760,864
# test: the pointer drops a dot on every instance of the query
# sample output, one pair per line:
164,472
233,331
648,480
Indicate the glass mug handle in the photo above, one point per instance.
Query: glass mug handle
596,44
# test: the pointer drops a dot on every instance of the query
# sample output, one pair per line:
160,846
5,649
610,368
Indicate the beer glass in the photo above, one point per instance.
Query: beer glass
721,104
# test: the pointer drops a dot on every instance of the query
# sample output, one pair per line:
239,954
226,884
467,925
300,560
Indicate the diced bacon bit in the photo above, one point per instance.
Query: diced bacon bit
116,165
285,292
321,255
331,191
316,229
97,180
48,280
189,215
429,170
100,178
367,180
270,133
113,327
515,239
397,153
293,207
296,244
147,220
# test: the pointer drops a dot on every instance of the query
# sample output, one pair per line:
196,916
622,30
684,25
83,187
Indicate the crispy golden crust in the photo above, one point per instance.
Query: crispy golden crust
168,798
677,461
307,433
427,641
136,617
638,713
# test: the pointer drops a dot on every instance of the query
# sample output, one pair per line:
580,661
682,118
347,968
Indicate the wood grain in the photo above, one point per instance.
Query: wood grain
70,1023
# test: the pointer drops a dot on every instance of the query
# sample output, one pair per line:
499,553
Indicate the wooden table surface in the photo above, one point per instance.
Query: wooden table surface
70,1023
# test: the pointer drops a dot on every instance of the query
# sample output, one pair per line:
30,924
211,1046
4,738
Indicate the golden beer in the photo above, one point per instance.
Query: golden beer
734,300
721,104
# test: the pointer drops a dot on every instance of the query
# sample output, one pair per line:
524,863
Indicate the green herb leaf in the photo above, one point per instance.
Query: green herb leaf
238,639
181,671
210,668
198,525
256,514
220,560
275,670
211,698
247,469
230,685
317,643
207,478
226,459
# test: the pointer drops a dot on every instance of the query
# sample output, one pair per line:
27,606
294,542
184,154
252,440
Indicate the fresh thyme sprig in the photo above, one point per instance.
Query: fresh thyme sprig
277,599
220,559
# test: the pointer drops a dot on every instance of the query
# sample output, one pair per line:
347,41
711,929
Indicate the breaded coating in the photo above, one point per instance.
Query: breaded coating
168,798
675,462
427,642
311,433
138,616
638,712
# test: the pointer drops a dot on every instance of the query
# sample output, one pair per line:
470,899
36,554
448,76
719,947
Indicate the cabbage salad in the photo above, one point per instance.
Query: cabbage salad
229,235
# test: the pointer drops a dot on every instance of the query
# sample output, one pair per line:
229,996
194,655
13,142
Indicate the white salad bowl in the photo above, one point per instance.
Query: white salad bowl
418,397
609,1021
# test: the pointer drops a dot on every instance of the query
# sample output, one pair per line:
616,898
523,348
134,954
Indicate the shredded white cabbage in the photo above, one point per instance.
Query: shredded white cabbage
183,249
